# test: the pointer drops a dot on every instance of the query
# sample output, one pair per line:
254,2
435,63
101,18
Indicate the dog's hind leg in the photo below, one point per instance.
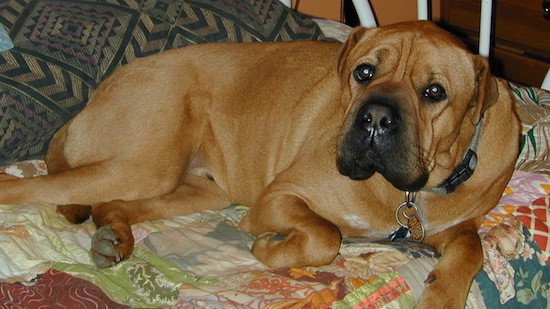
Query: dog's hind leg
113,241
123,177
84,185
79,185
57,163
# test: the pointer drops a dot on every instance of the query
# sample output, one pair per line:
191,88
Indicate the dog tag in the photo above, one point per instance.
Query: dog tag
412,212
415,228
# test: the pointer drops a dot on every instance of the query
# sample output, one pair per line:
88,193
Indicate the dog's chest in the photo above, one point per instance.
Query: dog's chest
388,222
375,227
379,220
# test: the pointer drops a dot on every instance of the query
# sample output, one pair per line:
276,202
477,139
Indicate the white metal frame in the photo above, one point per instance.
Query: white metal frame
367,19
546,82
365,14
288,3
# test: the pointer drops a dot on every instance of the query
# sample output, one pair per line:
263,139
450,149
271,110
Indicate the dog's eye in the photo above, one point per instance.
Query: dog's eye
364,73
434,93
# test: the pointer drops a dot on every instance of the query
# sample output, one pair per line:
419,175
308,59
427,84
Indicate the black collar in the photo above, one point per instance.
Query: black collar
464,170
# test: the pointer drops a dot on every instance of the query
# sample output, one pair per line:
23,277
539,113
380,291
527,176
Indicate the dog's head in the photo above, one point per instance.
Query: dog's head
414,95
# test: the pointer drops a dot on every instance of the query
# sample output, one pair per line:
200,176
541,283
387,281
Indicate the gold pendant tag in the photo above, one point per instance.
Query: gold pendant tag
412,212
416,228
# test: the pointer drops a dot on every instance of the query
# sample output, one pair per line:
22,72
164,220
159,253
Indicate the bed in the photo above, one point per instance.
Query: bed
62,50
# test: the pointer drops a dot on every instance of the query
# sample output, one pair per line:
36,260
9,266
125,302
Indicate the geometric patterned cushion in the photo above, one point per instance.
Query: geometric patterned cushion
65,49
536,217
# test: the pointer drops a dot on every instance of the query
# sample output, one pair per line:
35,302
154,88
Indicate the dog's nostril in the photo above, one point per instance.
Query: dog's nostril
386,122
378,117
368,118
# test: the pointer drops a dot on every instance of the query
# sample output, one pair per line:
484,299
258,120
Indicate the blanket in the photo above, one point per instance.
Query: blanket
204,260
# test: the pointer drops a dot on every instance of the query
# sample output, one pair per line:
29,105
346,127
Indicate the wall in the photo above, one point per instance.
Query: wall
385,10
330,9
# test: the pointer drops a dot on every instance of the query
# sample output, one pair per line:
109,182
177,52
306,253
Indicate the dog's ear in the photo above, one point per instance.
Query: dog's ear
487,88
352,40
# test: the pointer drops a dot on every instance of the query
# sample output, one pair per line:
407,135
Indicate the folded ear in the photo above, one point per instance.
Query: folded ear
487,88
352,40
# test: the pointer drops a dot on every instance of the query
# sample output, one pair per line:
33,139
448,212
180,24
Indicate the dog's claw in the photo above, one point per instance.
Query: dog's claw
104,250
431,278
271,237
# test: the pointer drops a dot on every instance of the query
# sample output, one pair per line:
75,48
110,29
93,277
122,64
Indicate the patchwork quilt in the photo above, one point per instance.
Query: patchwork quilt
204,261
60,50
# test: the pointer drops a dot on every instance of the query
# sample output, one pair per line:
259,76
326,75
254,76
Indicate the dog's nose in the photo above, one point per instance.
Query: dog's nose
377,118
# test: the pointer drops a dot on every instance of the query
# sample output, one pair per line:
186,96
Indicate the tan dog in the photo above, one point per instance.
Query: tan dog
270,125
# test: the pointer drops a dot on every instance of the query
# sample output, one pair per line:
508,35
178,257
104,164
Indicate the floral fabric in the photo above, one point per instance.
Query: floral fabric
533,109
204,260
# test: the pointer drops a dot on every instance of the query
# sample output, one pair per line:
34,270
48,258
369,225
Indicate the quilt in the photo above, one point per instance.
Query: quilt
204,261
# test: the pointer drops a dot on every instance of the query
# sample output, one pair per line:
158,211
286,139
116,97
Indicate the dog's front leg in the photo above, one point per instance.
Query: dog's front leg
289,234
448,285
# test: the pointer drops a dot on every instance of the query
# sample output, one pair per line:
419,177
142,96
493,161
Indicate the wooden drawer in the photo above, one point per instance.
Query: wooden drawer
521,36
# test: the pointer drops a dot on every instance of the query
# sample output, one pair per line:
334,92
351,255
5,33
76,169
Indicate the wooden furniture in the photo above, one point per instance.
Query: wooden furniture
521,41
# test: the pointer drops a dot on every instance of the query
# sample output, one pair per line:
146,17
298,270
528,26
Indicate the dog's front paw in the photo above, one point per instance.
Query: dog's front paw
296,249
109,248
265,249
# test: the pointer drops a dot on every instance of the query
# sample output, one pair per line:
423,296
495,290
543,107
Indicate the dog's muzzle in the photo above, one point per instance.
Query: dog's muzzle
378,141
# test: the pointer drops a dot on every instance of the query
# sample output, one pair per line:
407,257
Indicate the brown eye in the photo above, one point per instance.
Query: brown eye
364,73
434,93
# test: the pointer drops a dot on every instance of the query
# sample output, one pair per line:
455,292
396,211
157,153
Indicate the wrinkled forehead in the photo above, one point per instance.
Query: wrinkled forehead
423,48
420,31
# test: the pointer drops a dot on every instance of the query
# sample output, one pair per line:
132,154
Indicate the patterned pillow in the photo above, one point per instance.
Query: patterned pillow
64,49
533,108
